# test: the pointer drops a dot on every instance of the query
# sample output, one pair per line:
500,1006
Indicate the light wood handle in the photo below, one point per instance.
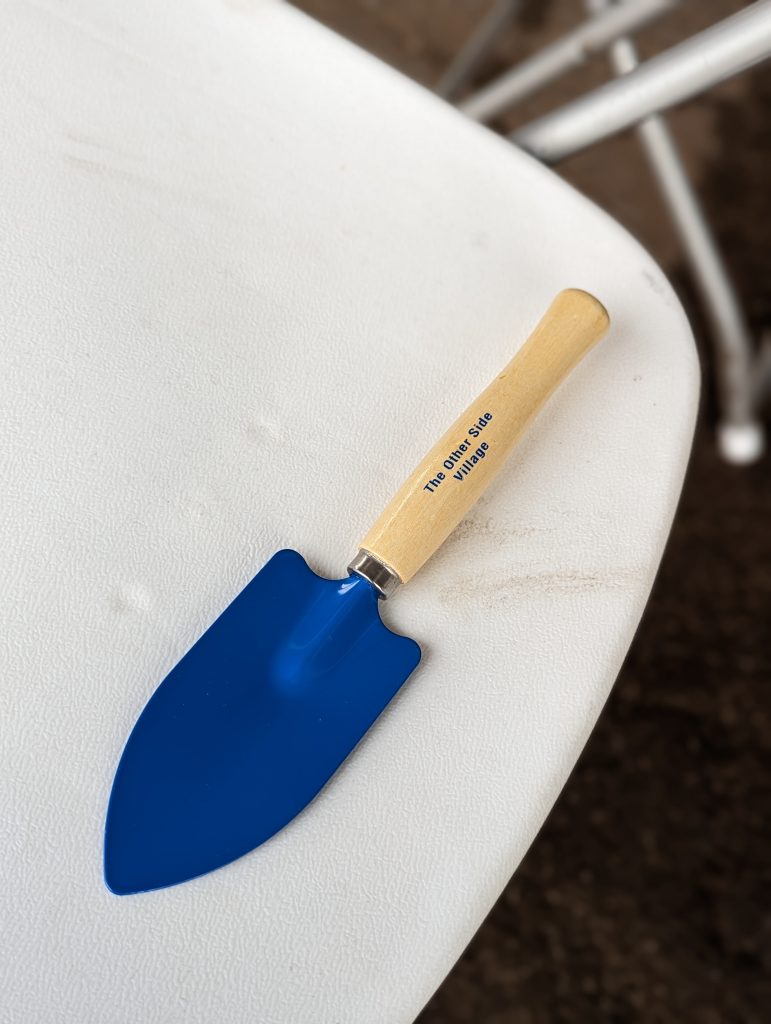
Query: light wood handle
441,490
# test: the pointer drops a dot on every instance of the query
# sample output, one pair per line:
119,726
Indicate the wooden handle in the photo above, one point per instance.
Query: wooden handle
441,490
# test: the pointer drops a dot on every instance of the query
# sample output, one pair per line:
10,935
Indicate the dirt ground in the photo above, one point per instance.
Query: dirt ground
646,897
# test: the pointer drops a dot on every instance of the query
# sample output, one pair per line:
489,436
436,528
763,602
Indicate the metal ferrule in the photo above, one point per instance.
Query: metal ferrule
384,580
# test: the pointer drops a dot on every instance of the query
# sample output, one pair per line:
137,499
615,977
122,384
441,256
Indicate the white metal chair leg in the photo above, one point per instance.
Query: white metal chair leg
572,50
714,55
740,434
693,66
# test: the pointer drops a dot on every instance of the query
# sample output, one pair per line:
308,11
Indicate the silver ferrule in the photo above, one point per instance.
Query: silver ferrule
384,580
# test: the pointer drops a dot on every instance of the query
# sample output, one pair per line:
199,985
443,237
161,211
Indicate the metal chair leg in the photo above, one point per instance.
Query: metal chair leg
572,50
740,434
636,98
690,68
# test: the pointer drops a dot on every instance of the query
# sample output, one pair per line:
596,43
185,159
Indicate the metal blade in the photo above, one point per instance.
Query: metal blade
250,724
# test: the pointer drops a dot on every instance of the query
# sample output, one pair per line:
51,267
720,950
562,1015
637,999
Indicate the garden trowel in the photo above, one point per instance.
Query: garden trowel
252,722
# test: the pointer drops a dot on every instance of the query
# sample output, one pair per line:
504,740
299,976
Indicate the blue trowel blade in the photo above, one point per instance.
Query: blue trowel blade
252,722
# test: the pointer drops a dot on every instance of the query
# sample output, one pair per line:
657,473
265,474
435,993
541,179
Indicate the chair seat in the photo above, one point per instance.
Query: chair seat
250,274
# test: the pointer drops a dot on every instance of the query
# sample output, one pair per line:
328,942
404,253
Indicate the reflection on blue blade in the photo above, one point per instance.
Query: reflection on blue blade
250,724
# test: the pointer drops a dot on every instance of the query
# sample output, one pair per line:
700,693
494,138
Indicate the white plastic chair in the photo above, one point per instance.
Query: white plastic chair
243,264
